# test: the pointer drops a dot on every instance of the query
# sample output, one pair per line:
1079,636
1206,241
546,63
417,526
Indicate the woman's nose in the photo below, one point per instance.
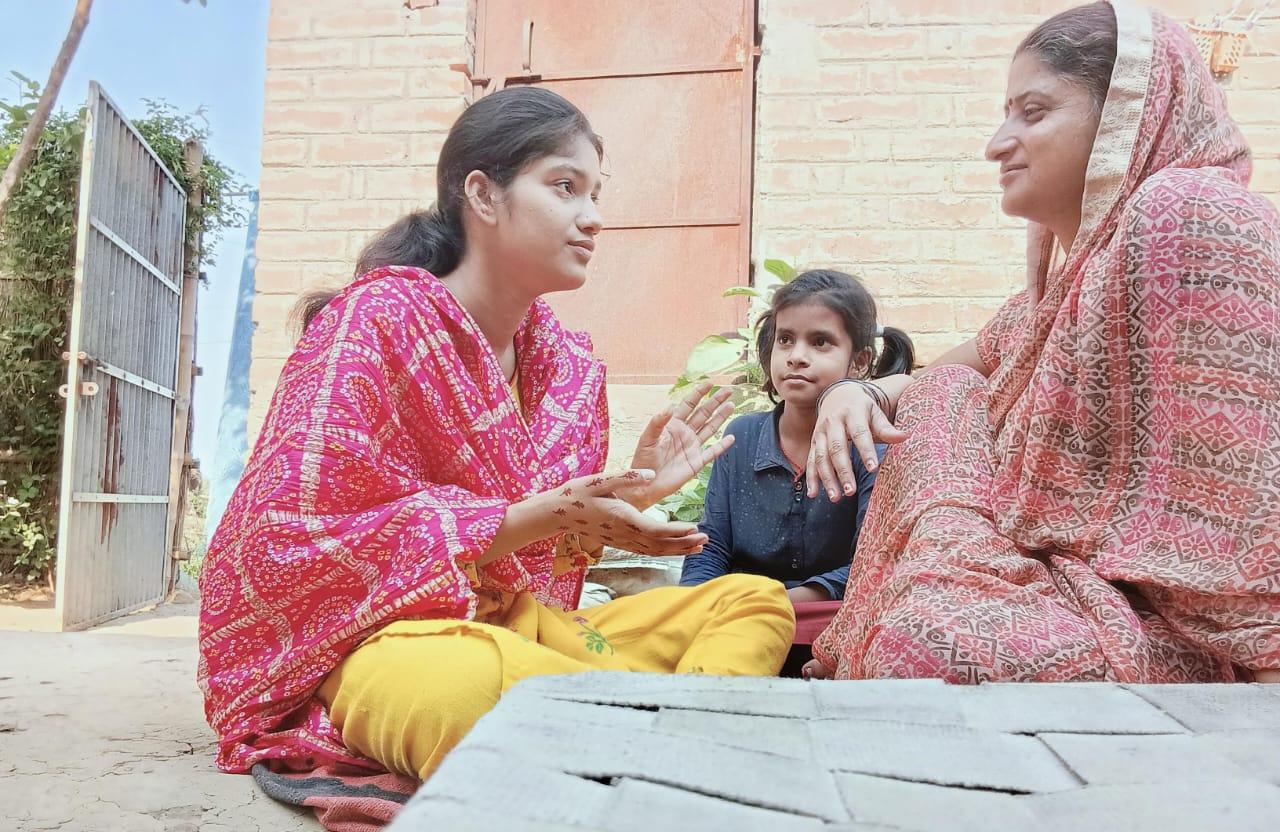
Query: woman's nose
590,221
1001,144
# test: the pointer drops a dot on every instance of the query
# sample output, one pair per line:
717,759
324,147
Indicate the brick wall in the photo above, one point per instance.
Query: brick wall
359,96
872,117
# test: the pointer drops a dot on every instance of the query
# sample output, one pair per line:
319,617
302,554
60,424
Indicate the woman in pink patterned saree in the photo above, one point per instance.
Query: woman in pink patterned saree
1089,490
411,532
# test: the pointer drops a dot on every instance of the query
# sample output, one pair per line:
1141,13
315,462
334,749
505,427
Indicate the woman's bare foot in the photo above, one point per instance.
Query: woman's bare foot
814,669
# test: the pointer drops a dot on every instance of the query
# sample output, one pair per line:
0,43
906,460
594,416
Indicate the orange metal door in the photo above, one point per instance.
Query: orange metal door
670,86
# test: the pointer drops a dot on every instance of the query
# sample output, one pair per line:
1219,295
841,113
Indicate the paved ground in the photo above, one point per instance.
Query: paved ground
627,752
103,731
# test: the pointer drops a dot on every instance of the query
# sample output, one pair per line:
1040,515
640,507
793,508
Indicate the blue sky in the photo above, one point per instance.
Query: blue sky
189,56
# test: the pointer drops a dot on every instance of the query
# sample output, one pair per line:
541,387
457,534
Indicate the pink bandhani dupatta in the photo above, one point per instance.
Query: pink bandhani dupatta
391,450
1107,504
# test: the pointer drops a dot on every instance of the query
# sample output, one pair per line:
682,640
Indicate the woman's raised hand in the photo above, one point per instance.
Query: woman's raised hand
589,506
848,415
672,445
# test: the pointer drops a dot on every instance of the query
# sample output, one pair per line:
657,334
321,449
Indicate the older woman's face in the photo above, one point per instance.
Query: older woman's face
1044,144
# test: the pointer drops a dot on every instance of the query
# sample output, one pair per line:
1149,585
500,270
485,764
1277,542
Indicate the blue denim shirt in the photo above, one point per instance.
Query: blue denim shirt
760,521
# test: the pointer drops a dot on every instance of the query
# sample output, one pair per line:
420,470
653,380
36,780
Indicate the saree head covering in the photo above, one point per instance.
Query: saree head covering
1107,504
391,450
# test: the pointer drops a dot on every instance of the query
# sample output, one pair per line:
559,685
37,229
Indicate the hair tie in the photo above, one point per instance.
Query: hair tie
879,331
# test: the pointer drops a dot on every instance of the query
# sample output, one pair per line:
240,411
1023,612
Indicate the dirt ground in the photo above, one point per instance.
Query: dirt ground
103,730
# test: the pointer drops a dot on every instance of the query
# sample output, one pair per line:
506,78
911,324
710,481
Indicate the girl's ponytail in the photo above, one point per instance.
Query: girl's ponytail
898,355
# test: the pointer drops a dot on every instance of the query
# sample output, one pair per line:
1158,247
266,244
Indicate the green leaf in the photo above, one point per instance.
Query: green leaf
781,269
714,353
740,291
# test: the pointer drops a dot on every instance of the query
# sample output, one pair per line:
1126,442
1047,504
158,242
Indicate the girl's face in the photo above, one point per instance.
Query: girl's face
546,220
1044,144
811,349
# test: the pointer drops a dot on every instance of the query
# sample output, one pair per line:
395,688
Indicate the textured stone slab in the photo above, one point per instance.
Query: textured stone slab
484,778
1163,807
737,695
1112,760
1208,708
632,752
942,755
1082,708
1257,752
754,778
645,807
770,734
924,701
905,805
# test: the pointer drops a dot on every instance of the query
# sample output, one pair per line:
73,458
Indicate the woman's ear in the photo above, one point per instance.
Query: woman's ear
482,196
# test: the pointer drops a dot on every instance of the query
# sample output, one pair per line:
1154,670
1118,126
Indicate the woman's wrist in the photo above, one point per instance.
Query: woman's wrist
526,521
831,387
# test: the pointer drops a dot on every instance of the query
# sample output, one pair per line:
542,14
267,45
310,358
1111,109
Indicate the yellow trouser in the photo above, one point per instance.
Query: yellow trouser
409,693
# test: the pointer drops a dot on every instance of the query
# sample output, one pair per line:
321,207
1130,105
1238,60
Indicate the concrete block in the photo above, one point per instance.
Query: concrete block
946,756
485,779
772,735
904,805
438,814
1257,752
1112,760
1068,708
1164,807
1206,708
926,701
750,777
726,694
645,807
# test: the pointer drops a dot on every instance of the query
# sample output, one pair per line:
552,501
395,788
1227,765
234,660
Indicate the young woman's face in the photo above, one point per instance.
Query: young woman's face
1044,144
548,219
810,351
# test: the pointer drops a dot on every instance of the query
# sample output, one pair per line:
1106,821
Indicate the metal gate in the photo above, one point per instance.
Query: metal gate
670,85
113,525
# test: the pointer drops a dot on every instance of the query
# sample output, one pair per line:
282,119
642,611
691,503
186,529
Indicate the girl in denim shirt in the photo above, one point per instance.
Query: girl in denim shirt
821,328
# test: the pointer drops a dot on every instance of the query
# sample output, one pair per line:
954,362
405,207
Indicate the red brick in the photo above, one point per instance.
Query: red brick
413,116
773,111
991,41
413,182
304,183
973,315
897,178
364,84
350,23
961,281
435,82
263,375
1257,73
872,246
809,146
875,145
819,12
860,44
287,85
838,79
277,278
310,53
965,12
358,215
1254,107
276,215
284,151
293,246
871,110
986,111
424,147
1006,247
939,143
415,51
941,212
282,25
919,315
785,178
359,149
977,177
810,212
942,76
308,118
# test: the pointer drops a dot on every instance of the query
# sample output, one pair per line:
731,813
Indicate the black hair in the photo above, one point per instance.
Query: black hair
849,299
499,135
1079,44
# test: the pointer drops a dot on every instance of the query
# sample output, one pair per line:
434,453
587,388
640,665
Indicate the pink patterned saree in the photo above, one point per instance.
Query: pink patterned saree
1106,505
391,450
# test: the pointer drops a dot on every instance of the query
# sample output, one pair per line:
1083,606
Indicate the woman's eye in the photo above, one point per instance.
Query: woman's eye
784,339
565,185
1033,113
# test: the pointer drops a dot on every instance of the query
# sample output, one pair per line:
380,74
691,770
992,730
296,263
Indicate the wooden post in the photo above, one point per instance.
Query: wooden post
193,158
